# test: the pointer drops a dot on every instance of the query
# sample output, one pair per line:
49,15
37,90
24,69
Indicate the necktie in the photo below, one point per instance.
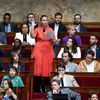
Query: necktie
62,83
24,38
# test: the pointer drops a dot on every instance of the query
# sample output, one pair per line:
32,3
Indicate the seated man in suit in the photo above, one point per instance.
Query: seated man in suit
6,25
55,85
89,64
58,27
65,79
78,25
93,46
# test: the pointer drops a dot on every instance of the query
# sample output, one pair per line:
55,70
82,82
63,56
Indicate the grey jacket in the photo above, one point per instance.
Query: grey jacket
71,94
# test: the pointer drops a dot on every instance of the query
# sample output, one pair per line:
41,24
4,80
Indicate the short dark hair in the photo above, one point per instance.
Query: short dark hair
77,15
95,36
61,65
7,14
31,14
17,40
90,94
14,68
69,55
90,52
55,80
43,16
58,14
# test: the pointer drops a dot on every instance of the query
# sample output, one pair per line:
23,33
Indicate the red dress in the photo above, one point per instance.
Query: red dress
43,53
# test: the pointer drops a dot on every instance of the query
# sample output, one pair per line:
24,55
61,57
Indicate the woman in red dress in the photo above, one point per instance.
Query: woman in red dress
43,53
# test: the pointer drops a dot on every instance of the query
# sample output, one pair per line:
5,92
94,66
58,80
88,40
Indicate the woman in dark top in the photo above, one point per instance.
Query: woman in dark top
15,61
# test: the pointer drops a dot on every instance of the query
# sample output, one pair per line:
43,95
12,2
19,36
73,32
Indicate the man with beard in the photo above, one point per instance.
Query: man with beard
93,46
58,27
78,25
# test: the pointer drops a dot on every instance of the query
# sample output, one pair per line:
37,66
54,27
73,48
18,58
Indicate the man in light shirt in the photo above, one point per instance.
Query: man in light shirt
58,27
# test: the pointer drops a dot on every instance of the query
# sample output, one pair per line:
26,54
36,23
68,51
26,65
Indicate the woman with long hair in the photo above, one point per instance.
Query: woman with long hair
8,90
15,61
72,47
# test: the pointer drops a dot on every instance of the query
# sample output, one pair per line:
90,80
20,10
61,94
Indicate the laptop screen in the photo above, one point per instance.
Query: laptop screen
60,96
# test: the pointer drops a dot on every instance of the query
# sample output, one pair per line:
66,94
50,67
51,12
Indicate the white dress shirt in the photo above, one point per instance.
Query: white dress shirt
56,31
30,40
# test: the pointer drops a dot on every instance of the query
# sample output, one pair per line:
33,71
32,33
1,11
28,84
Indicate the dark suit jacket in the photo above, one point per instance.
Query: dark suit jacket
71,94
20,68
97,51
22,53
82,28
2,53
2,67
62,28
13,27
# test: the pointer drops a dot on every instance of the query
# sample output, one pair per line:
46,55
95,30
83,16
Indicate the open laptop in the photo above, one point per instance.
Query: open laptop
60,96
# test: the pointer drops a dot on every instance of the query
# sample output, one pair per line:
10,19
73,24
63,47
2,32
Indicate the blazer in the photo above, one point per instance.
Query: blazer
13,27
71,94
62,28
83,64
82,28
21,53
68,80
21,67
97,51
30,40
76,37
3,39
17,81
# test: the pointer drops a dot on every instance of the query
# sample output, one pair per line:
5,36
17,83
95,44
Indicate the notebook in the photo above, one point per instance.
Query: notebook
60,96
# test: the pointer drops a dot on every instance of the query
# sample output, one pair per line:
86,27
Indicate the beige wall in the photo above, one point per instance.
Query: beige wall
89,9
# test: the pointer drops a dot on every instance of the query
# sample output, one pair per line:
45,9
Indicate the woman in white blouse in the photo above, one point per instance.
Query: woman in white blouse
72,47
